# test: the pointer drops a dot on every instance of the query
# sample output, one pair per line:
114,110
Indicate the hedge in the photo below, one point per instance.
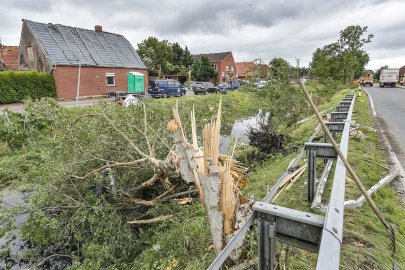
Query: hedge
15,86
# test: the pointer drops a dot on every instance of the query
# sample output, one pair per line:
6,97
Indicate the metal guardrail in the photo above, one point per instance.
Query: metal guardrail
329,250
306,235
240,234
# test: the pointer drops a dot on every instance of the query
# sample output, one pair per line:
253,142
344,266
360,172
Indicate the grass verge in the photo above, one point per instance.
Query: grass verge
365,240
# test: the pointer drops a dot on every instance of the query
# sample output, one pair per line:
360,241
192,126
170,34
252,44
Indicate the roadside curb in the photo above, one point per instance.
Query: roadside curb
393,157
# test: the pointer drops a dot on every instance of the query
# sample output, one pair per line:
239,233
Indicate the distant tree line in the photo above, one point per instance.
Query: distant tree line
343,60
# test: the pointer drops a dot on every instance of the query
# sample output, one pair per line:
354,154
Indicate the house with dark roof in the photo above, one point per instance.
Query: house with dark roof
223,63
105,59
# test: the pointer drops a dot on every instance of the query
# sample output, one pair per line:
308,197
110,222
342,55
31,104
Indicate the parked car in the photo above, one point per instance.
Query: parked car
261,84
235,85
242,82
224,87
204,88
166,88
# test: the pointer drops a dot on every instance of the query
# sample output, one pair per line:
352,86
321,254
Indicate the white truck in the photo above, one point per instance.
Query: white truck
389,77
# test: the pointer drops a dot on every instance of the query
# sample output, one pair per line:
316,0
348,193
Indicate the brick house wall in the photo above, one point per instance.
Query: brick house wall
402,71
9,54
231,73
92,80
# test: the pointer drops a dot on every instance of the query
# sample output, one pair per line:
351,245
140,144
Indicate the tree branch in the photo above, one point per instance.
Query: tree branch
49,257
114,165
148,183
145,124
149,221
131,143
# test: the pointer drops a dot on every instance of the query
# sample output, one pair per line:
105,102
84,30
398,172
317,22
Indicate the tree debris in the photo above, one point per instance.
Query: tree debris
217,177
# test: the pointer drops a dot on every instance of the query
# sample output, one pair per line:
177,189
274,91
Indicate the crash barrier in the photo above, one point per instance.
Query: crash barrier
312,232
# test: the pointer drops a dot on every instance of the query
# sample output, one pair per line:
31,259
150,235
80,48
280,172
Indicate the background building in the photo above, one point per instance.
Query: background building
105,58
9,57
223,63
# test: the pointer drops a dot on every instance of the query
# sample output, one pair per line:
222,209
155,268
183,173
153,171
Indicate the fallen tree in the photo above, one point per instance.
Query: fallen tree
217,177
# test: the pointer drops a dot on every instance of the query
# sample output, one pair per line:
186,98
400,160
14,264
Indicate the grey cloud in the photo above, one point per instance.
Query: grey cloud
284,28
29,5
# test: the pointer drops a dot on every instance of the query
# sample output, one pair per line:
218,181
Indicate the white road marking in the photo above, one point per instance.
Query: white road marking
393,156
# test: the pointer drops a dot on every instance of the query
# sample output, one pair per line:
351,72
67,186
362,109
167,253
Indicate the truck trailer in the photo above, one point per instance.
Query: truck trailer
389,77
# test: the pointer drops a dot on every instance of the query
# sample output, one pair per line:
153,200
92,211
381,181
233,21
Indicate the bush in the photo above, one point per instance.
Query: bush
16,86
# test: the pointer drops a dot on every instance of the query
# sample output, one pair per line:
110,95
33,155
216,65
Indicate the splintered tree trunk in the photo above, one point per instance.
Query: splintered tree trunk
217,177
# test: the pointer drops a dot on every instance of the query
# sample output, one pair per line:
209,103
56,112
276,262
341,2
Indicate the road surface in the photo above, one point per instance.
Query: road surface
389,104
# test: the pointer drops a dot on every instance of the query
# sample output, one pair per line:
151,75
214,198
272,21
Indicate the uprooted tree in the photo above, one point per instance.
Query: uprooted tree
217,177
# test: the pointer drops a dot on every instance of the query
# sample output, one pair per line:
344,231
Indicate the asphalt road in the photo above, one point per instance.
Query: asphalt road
389,104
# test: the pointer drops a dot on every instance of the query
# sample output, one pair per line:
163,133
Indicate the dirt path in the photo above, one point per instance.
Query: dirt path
19,107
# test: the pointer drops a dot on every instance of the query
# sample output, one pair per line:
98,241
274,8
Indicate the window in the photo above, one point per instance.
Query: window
214,66
30,53
231,68
110,78
170,84
227,68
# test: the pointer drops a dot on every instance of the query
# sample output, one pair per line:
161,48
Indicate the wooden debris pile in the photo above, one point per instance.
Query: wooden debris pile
218,177
290,180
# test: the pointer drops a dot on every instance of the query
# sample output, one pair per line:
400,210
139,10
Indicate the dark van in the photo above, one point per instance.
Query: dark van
166,88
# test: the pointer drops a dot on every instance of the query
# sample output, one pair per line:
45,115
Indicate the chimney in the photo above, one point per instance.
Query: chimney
98,28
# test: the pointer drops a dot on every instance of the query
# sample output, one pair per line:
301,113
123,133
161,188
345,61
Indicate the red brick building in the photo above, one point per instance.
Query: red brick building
252,70
223,63
105,58
245,69
402,71
9,57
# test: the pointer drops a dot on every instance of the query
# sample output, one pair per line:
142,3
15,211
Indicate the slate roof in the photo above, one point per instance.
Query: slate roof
63,45
214,57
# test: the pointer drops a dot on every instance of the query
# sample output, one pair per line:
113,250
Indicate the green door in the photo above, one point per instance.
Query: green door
136,83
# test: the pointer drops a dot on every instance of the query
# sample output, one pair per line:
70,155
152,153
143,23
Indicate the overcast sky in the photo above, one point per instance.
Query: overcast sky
249,28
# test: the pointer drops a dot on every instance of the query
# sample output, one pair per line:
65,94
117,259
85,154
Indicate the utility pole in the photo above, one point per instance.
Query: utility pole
78,81
1,50
298,68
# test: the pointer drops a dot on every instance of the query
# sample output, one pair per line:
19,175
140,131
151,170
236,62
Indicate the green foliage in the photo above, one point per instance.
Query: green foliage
344,59
163,57
17,86
287,104
82,218
280,69
38,118
87,221
249,156
202,70
365,244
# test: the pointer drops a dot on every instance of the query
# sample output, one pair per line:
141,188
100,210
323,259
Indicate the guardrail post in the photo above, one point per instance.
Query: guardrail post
266,232
311,173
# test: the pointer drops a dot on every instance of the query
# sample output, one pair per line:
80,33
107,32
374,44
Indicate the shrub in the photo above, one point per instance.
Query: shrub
15,86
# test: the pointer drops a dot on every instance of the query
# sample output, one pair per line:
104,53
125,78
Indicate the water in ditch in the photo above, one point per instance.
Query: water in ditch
240,130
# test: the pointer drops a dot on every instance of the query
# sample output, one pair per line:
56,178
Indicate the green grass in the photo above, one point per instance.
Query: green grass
365,240
185,241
